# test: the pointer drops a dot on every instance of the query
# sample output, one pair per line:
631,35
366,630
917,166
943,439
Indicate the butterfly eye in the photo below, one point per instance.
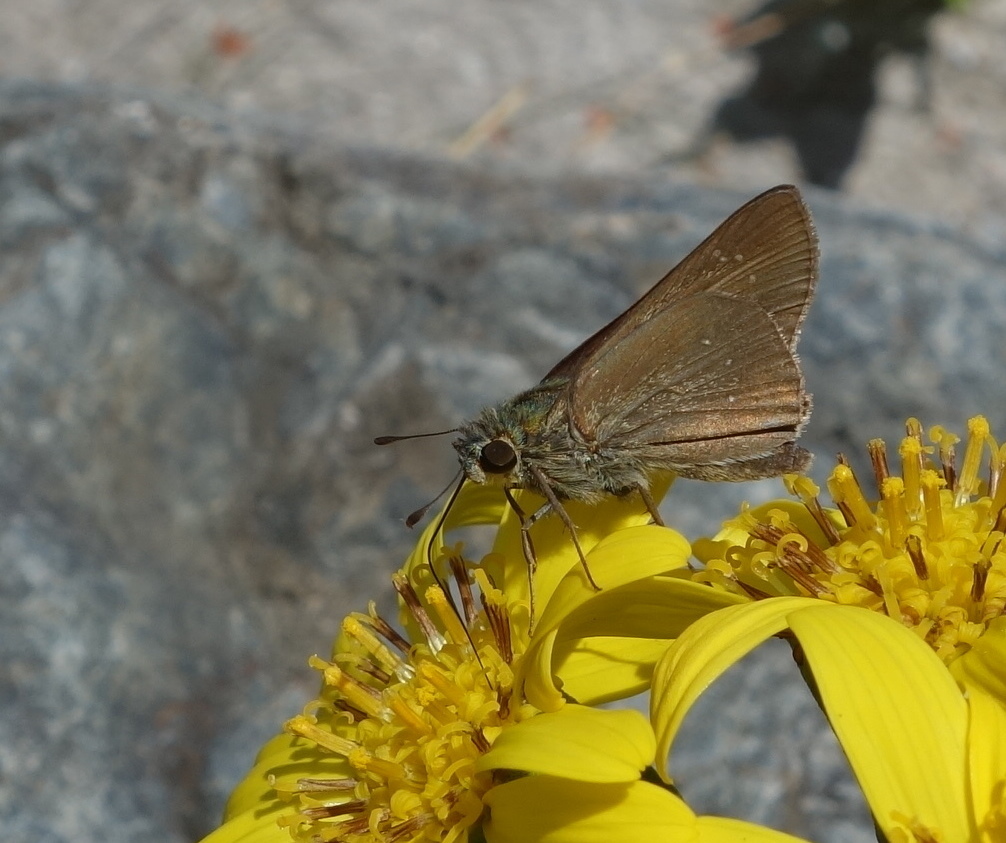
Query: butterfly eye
498,456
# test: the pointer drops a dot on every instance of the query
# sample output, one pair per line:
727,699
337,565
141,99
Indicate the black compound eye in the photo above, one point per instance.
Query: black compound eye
498,456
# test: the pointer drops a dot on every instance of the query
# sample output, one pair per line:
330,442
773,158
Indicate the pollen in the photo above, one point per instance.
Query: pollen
926,548
406,720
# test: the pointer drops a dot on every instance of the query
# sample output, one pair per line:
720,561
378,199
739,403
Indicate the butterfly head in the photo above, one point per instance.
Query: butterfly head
489,453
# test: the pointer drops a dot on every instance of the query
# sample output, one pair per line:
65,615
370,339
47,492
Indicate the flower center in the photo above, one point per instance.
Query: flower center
409,720
929,552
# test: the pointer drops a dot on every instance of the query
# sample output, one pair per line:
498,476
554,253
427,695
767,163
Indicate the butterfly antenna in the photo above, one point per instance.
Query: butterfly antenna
441,519
420,513
436,532
433,570
387,440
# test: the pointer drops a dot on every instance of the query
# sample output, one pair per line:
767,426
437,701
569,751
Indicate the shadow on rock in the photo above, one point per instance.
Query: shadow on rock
816,76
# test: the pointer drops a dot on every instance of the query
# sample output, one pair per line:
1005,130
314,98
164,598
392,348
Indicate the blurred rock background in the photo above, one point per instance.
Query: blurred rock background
240,239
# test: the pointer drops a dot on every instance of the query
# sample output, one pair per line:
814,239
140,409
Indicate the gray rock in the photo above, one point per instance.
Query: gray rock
204,320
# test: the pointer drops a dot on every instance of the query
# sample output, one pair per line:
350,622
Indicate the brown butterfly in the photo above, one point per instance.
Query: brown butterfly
699,377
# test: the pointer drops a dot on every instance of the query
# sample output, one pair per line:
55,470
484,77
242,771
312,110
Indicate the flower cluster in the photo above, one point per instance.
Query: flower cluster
409,720
476,720
928,554
881,598
416,736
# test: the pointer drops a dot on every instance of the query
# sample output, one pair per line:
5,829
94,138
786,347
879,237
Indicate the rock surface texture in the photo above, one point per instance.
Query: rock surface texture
598,85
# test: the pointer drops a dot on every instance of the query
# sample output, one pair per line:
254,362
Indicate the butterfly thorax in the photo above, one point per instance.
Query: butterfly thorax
529,439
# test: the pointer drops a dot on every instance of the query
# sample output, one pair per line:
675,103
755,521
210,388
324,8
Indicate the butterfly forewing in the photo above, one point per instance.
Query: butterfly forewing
765,252
726,387
702,368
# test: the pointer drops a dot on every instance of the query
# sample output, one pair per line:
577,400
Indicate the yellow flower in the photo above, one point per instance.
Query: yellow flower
930,759
881,599
580,783
393,748
929,554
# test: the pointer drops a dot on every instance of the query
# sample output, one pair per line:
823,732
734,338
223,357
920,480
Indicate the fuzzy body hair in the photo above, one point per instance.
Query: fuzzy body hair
537,425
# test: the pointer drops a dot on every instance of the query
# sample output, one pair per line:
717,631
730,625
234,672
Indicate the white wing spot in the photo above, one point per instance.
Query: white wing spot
706,342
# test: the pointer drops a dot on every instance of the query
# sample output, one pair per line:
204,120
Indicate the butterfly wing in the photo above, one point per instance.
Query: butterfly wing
708,383
765,252
701,372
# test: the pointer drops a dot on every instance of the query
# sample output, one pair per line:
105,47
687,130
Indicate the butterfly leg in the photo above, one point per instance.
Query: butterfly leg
526,545
555,505
644,493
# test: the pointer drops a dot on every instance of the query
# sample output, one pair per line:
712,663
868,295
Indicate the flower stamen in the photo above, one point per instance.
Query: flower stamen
495,607
364,635
446,614
933,504
415,607
878,458
386,630
847,493
946,442
807,491
913,544
460,573
978,434
911,452
892,490
326,812
408,723
316,785
929,553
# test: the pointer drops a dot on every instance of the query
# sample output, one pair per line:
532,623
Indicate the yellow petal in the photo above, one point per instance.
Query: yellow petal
255,788
255,826
576,742
897,713
544,809
475,505
702,653
601,669
627,555
283,761
280,746
607,647
552,543
984,665
987,750
536,680
723,830
655,607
